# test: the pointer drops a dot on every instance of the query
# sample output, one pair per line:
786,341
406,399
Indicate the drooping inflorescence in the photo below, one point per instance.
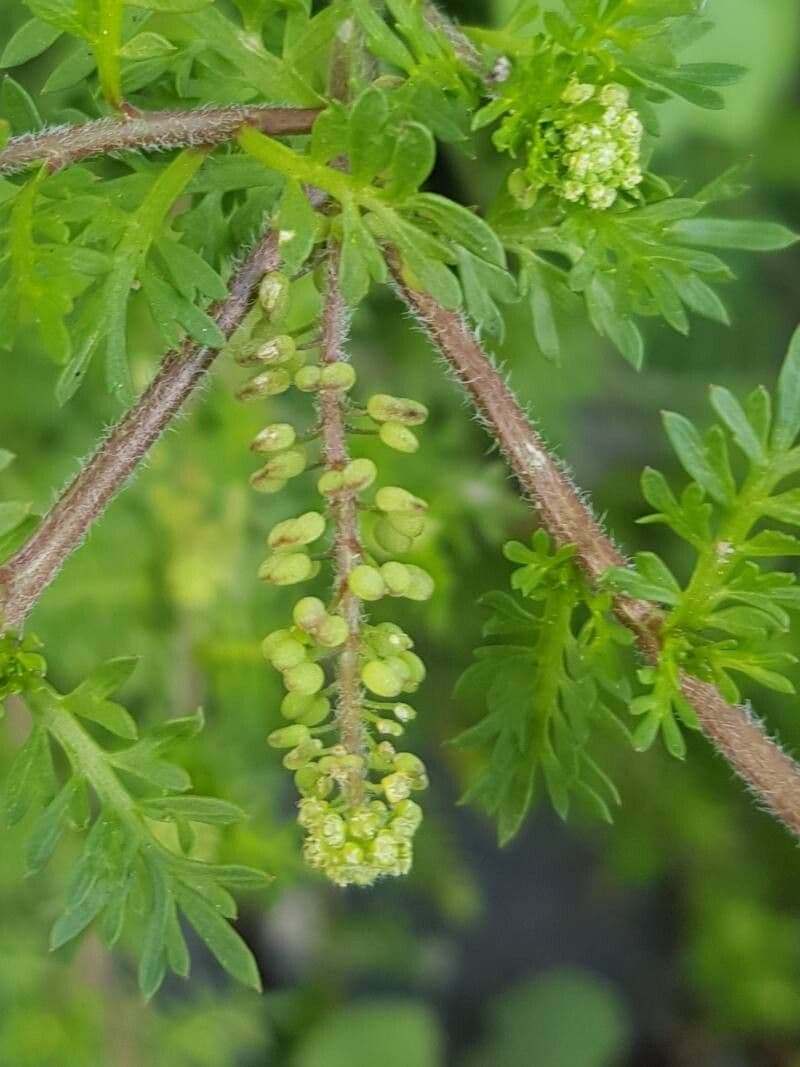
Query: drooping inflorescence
345,677
587,147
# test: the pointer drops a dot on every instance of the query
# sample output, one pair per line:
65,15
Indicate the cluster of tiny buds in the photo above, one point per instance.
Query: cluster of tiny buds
353,840
588,149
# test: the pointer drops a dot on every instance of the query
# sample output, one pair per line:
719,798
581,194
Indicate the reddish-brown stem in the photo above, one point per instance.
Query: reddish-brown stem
155,130
347,541
27,574
770,772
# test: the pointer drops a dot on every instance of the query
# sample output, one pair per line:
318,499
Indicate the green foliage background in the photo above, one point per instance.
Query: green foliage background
705,888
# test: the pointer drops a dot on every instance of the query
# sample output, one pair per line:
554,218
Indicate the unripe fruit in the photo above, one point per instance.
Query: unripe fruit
273,295
330,483
286,569
274,438
397,578
387,639
421,586
306,778
273,352
332,632
338,376
359,474
392,498
308,613
289,736
306,678
366,582
288,654
378,677
269,383
281,467
303,708
383,408
396,544
307,379
410,524
416,667
400,668
263,484
408,763
271,641
293,532
400,438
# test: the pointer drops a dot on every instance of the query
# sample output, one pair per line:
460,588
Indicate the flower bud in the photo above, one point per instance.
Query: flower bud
397,578
404,713
274,438
332,632
268,383
387,538
383,408
379,677
309,613
330,483
287,654
392,498
289,736
294,532
287,569
273,295
397,436
421,586
307,379
271,353
305,678
389,728
366,582
338,376
358,475
396,787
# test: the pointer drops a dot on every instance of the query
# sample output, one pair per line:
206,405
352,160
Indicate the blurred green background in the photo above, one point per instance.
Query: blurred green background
671,938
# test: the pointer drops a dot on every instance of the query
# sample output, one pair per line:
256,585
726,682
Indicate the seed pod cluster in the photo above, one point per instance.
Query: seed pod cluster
356,807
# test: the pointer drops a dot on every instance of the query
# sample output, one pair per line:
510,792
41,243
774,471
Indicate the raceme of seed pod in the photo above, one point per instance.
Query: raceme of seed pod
345,678
587,148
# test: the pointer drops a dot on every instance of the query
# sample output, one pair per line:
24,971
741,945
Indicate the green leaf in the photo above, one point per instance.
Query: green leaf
692,453
17,105
771,543
12,513
29,777
609,322
730,411
460,225
152,963
208,810
50,826
734,233
380,39
223,941
29,41
296,223
369,142
787,415
412,160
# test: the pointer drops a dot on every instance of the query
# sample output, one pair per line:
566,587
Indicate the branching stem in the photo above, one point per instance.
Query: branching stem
348,552
770,772
157,130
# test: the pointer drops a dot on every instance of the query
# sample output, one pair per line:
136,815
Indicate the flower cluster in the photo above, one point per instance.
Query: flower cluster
343,676
587,148
22,666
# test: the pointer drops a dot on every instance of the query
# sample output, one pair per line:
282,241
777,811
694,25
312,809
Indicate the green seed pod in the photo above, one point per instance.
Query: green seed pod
383,408
276,351
415,667
379,677
410,524
392,498
273,295
283,465
397,436
272,640
330,483
268,383
332,632
289,736
288,654
387,639
286,569
421,586
308,379
309,613
317,711
262,484
412,766
306,678
387,538
294,532
366,582
306,778
338,376
274,438
397,578
359,474
400,668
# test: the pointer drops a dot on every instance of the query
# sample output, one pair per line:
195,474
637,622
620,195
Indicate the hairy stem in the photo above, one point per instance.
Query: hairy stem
348,552
157,130
770,772
28,573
